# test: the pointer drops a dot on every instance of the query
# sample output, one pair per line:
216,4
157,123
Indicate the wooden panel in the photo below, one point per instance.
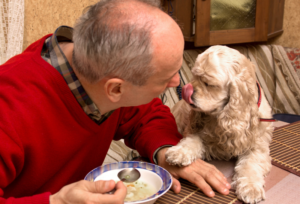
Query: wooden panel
276,18
261,20
232,36
182,13
202,28
268,23
204,36
185,16
271,35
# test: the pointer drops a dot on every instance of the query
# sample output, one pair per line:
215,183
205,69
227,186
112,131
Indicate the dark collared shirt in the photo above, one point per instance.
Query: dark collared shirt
53,54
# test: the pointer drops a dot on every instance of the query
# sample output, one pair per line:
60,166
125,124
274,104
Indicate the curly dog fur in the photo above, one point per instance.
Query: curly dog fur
223,120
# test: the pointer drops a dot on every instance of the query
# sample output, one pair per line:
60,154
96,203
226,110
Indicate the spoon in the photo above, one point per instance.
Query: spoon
128,175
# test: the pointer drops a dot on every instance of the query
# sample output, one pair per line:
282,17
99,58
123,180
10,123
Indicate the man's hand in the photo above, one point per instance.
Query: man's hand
204,175
90,192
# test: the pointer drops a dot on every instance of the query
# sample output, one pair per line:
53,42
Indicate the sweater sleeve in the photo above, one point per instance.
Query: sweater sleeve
11,164
11,159
35,199
148,127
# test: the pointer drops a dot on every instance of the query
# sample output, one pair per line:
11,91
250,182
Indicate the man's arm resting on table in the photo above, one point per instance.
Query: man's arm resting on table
204,175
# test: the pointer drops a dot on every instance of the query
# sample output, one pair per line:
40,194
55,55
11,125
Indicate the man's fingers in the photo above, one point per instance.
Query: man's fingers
196,177
217,181
90,192
98,190
218,185
117,198
213,176
206,177
202,184
176,186
121,189
102,186
226,183
104,198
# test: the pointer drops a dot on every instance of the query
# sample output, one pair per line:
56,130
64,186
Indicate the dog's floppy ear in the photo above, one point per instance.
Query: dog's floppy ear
240,115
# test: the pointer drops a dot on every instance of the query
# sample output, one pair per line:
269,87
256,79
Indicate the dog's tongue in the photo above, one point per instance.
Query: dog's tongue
187,91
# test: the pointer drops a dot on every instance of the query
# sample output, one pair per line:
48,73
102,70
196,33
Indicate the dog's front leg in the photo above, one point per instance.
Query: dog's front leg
249,175
186,151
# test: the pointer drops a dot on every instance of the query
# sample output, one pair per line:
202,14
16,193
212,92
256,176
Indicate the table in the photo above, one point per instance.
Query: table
281,187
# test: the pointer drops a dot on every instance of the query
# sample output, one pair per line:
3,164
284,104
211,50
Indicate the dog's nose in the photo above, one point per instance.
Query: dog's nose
187,91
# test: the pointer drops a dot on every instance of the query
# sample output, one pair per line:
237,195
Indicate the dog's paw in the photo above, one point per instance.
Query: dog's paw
250,192
177,155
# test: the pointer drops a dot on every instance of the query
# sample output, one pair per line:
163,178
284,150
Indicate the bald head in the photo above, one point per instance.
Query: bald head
115,38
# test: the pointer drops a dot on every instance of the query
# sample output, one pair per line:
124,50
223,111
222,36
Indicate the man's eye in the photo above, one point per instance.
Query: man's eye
205,84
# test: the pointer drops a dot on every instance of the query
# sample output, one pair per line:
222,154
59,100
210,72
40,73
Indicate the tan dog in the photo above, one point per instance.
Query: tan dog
220,118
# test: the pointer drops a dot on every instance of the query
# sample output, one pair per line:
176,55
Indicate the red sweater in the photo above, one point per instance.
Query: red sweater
46,139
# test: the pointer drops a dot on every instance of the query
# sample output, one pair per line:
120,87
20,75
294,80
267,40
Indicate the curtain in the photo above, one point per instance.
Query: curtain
11,28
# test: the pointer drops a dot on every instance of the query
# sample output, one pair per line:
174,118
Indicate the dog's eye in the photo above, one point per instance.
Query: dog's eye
207,85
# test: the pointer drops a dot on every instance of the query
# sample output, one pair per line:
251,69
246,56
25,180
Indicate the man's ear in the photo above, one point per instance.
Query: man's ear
114,89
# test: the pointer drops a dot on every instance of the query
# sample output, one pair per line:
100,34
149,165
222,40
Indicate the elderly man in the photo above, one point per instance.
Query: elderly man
68,95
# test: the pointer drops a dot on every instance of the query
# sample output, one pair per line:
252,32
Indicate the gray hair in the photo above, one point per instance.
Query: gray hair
110,41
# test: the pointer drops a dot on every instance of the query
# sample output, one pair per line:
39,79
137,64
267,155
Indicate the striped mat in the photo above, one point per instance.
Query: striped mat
285,148
191,194
285,153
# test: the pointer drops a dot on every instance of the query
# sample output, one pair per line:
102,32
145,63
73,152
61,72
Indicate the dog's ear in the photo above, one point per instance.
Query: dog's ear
240,115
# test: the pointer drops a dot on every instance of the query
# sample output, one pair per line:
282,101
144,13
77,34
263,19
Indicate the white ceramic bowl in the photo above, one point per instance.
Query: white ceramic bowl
154,175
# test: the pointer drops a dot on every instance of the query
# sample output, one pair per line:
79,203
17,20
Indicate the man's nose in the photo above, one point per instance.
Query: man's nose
175,81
